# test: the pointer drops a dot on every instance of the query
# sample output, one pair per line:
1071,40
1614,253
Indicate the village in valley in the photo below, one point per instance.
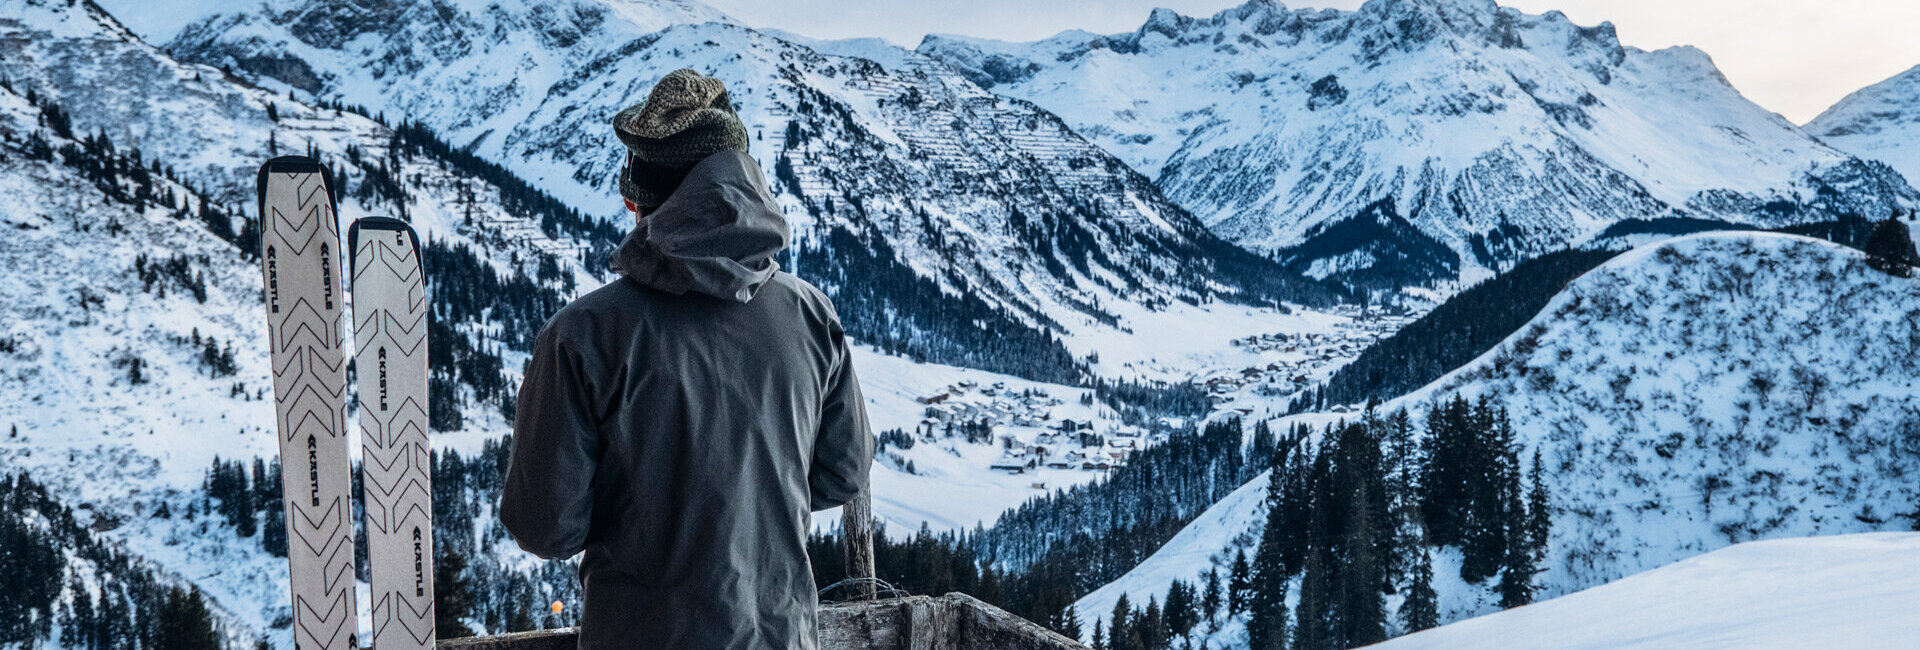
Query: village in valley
1300,361
1022,424
1056,436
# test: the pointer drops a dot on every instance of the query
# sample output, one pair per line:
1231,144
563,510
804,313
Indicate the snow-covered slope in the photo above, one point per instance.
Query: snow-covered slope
78,316
113,404
130,322
1496,134
1211,541
1881,122
478,72
1715,389
1687,395
1843,591
985,195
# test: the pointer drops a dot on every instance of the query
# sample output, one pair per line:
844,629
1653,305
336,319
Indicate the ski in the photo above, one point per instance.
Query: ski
390,358
299,245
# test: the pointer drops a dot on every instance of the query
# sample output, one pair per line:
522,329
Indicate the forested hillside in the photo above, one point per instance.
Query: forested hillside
1463,327
1681,397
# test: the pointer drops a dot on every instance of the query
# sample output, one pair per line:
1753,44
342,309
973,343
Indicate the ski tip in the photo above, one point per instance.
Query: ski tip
291,165
388,224
379,223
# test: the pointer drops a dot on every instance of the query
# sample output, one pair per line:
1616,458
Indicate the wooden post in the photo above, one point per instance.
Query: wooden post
856,524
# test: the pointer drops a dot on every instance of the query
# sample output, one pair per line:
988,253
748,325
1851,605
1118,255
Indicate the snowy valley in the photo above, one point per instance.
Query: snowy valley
1093,302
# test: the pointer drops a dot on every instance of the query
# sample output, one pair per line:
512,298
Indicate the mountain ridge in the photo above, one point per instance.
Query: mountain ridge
979,195
1880,121
1274,125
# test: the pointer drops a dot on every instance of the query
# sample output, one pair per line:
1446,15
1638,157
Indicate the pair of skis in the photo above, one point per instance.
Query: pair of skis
300,239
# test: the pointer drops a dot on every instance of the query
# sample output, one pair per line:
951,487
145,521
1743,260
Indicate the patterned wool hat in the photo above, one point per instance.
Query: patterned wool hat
686,118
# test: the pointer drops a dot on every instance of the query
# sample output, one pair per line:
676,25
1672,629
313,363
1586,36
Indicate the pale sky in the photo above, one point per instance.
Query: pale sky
1794,57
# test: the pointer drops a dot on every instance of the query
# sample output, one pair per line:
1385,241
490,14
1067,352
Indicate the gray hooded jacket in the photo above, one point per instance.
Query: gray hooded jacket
680,425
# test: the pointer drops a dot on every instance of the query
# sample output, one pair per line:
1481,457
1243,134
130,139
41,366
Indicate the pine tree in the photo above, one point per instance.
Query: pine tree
1517,559
77,631
452,596
1401,467
1444,476
1361,613
1069,623
1180,611
1890,248
243,509
1489,511
1310,626
1099,636
1119,628
1239,584
1348,530
1539,511
184,623
1421,610
1210,597
1151,627
1267,620
262,490
273,512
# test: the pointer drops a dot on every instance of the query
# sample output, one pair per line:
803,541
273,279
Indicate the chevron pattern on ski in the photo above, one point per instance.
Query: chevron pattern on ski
300,271
390,335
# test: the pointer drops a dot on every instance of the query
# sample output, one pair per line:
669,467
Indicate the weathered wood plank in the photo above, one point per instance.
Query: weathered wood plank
955,621
856,519
566,639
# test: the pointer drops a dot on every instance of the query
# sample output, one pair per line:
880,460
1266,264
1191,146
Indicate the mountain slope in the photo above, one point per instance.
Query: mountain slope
1496,133
982,196
114,336
129,320
1687,395
1826,592
130,312
1880,122
1703,392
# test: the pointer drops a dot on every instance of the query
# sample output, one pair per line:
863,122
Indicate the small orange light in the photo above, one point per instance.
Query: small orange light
557,607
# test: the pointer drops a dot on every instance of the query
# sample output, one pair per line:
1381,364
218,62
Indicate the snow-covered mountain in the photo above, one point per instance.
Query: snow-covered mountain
129,319
1687,395
1703,392
1881,122
130,311
1421,137
985,196
1822,592
107,313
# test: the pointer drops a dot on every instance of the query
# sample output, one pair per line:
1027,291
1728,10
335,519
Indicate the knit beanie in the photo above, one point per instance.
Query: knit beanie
686,118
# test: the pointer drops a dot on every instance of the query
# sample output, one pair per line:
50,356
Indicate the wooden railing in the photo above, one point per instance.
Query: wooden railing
952,622
955,621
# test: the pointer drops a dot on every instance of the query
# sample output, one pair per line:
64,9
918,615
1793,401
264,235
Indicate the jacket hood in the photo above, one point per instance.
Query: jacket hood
717,234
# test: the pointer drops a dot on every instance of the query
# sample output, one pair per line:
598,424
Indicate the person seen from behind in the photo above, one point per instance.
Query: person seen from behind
680,424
